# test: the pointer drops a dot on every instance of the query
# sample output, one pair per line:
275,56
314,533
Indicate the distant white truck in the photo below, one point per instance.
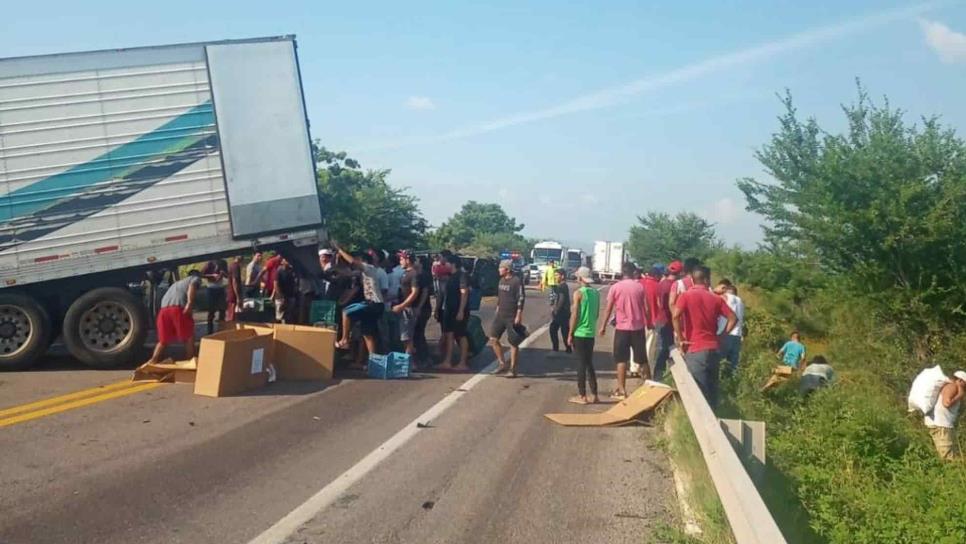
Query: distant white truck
117,164
609,258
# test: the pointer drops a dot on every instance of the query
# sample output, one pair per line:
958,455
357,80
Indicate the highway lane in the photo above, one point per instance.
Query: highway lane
167,466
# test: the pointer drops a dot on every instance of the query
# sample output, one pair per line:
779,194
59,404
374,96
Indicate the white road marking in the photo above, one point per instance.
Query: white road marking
278,533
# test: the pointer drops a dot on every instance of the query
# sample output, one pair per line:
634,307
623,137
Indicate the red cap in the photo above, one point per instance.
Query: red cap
675,267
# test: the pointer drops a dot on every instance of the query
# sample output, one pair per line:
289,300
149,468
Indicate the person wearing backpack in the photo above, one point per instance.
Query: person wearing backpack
941,420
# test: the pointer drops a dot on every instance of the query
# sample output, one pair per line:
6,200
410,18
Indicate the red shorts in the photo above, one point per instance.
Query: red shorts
174,326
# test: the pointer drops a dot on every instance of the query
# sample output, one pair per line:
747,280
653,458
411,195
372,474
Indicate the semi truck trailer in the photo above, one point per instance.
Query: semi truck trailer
609,258
117,164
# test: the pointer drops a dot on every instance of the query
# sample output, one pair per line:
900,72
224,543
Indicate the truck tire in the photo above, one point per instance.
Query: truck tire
25,331
105,327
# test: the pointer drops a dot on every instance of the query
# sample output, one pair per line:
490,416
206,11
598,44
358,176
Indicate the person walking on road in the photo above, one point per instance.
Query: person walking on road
455,315
655,317
941,421
793,352
560,314
667,330
583,325
409,295
627,298
549,279
695,316
175,323
510,298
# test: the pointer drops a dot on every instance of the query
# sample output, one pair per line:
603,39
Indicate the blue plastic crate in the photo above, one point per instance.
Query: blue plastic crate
393,366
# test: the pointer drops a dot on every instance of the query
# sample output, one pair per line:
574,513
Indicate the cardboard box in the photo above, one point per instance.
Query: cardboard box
302,353
232,362
645,399
168,371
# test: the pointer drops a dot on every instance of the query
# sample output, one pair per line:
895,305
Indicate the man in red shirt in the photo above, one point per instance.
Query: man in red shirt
666,333
655,317
695,317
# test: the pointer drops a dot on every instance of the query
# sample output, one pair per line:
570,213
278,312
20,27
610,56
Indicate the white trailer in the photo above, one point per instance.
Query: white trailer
609,258
118,163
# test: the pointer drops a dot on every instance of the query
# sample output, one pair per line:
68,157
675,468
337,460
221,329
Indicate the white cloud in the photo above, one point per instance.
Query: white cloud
947,43
420,103
724,212
611,96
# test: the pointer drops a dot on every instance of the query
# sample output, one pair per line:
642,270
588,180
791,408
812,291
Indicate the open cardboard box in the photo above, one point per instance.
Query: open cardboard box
233,361
779,374
302,353
168,371
645,399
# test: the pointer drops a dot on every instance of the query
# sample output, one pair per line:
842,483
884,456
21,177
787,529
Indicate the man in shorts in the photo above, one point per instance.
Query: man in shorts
408,309
455,315
510,298
627,298
175,323
373,306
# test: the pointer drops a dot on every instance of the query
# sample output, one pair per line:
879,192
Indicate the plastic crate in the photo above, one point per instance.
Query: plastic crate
322,311
393,366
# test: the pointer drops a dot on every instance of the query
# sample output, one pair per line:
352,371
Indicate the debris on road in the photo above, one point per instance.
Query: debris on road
645,399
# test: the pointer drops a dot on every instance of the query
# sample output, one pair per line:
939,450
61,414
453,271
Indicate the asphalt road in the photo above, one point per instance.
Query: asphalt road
166,466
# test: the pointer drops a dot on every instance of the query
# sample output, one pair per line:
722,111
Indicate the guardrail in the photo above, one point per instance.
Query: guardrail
747,514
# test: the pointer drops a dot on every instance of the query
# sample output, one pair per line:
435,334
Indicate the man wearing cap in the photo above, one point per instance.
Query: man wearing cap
667,332
941,421
407,309
510,299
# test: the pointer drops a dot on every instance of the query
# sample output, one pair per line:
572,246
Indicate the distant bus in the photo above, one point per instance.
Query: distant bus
542,254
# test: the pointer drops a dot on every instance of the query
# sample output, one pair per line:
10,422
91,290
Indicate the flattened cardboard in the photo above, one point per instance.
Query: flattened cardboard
226,360
168,371
302,353
779,374
645,399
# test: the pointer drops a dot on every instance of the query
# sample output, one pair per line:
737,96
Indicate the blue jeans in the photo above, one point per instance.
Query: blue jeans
704,367
664,344
730,349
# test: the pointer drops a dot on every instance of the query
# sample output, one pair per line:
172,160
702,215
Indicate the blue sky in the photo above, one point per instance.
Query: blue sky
575,116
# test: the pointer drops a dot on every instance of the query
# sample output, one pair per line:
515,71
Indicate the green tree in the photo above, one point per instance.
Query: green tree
484,222
361,207
659,238
881,204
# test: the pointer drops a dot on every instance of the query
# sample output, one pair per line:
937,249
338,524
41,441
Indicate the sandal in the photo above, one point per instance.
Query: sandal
618,395
578,400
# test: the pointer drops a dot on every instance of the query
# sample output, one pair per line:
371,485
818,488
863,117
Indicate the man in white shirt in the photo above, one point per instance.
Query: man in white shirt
729,345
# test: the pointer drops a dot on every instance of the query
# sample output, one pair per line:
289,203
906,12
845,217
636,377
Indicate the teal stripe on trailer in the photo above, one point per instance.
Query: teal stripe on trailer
168,137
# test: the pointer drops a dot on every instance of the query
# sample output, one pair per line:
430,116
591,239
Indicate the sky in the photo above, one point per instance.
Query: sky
576,117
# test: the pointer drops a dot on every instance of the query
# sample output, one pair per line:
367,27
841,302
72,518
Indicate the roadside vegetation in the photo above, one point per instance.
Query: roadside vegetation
864,254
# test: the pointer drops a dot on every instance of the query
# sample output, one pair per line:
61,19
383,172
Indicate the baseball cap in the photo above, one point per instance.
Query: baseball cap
656,271
675,267
583,274
325,252
959,374
506,263
403,254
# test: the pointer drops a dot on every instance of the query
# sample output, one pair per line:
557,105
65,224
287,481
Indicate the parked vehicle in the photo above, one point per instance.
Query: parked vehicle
541,255
119,164
609,257
573,261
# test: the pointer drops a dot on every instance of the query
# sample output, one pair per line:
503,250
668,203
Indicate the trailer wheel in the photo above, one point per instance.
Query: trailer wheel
24,331
105,327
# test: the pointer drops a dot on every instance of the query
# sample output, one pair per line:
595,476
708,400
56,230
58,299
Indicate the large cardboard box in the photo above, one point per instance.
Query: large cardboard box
301,353
233,361
645,399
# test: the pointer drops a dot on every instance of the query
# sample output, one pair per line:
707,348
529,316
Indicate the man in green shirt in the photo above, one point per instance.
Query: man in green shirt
583,328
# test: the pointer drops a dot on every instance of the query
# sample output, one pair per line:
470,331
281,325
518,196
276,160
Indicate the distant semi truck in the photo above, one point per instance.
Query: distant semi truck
574,260
118,164
609,257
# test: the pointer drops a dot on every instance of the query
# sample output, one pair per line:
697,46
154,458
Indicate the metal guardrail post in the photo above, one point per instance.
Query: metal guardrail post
750,520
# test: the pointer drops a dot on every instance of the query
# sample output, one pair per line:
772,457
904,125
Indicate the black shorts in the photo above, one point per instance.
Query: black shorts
450,324
369,317
624,341
499,326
